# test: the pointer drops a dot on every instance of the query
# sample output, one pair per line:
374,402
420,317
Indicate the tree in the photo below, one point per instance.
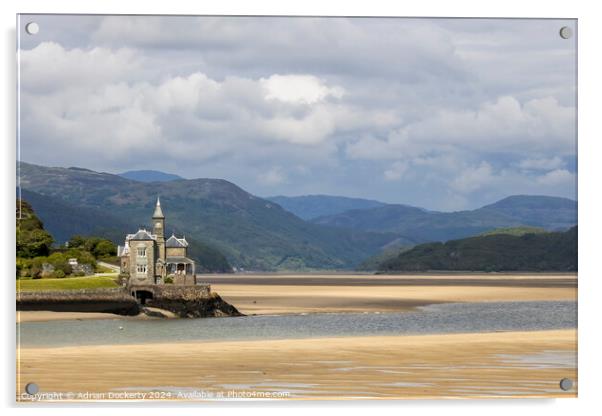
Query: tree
104,248
32,239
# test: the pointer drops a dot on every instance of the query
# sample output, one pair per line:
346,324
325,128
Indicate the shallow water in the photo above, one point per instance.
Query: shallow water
433,319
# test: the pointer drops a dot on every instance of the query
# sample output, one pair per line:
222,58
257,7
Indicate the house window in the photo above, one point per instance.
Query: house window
141,268
142,252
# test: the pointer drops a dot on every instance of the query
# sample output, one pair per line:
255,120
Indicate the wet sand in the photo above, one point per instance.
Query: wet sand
45,316
525,364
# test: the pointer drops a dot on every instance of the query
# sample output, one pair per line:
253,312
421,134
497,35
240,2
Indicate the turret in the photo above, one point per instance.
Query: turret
159,229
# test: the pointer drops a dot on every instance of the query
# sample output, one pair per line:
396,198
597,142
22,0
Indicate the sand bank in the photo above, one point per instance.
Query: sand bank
275,297
44,316
525,364
289,294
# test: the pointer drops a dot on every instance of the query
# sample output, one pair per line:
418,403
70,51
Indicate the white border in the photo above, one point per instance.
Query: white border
590,207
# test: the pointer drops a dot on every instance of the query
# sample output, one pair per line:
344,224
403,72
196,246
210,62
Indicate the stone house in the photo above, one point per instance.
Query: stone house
148,258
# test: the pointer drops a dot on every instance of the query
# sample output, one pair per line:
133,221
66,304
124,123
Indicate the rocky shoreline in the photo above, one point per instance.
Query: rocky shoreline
120,301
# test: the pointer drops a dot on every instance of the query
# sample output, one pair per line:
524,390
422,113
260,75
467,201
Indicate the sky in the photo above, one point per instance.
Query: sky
446,114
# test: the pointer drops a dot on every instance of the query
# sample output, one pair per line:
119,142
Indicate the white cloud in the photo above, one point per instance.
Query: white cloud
443,113
49,66
304,89
500,126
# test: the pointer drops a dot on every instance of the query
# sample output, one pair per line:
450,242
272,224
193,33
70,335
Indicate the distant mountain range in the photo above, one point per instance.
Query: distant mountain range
251,232
308,207
496,252
261,234
419,225
149,176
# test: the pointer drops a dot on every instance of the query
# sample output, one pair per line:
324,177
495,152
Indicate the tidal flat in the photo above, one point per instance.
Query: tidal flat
305,343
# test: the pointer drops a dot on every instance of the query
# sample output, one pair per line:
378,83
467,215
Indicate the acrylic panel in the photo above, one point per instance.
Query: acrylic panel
277,208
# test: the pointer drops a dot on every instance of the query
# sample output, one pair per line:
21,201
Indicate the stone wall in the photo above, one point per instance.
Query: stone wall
185,301
174,292
149,260
183,279
116,300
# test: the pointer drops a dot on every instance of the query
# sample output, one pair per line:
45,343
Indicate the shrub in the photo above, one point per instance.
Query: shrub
58,274
168,280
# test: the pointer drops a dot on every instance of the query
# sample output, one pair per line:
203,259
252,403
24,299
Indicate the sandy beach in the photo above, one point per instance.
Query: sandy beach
429,366
269,294
475,365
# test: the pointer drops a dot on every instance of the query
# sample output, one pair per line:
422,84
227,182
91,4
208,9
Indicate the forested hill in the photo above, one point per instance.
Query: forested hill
551,251
251,232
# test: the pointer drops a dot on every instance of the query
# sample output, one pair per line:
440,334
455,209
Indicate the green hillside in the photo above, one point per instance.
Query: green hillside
516,231
251,232
64,220
308,207
552,251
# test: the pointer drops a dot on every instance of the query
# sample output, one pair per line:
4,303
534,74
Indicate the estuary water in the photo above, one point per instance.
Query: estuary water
432,319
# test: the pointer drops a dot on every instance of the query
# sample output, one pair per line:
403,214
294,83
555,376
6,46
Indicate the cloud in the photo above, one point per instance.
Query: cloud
557,177
504,125
473,179
541,163
50,67
441,113
396,171
302,89
274,176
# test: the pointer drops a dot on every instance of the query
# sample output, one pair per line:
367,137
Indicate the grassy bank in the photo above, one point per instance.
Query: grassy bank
67,283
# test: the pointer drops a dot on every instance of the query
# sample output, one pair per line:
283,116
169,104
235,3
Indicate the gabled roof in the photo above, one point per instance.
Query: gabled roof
174,242
141,235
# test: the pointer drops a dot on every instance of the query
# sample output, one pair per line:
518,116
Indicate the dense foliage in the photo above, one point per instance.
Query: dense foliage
99,247
37,258
32,239
551,251
516,231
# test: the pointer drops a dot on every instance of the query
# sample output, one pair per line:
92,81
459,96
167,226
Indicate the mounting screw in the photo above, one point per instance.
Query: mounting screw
566,384
32,28
566,32
31,388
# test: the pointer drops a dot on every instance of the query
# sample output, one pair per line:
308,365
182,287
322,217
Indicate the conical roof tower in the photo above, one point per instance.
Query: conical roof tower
158,211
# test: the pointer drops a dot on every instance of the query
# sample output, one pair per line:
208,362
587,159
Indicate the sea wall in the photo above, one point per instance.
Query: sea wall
173,292
116,300
185,301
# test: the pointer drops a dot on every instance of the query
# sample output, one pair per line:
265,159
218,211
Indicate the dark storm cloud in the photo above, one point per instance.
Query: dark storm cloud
443,113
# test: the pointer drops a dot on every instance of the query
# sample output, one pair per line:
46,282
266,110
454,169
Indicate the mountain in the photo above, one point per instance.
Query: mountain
149,176
418,225
517,231
251,232
549,212
550,251
308,207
